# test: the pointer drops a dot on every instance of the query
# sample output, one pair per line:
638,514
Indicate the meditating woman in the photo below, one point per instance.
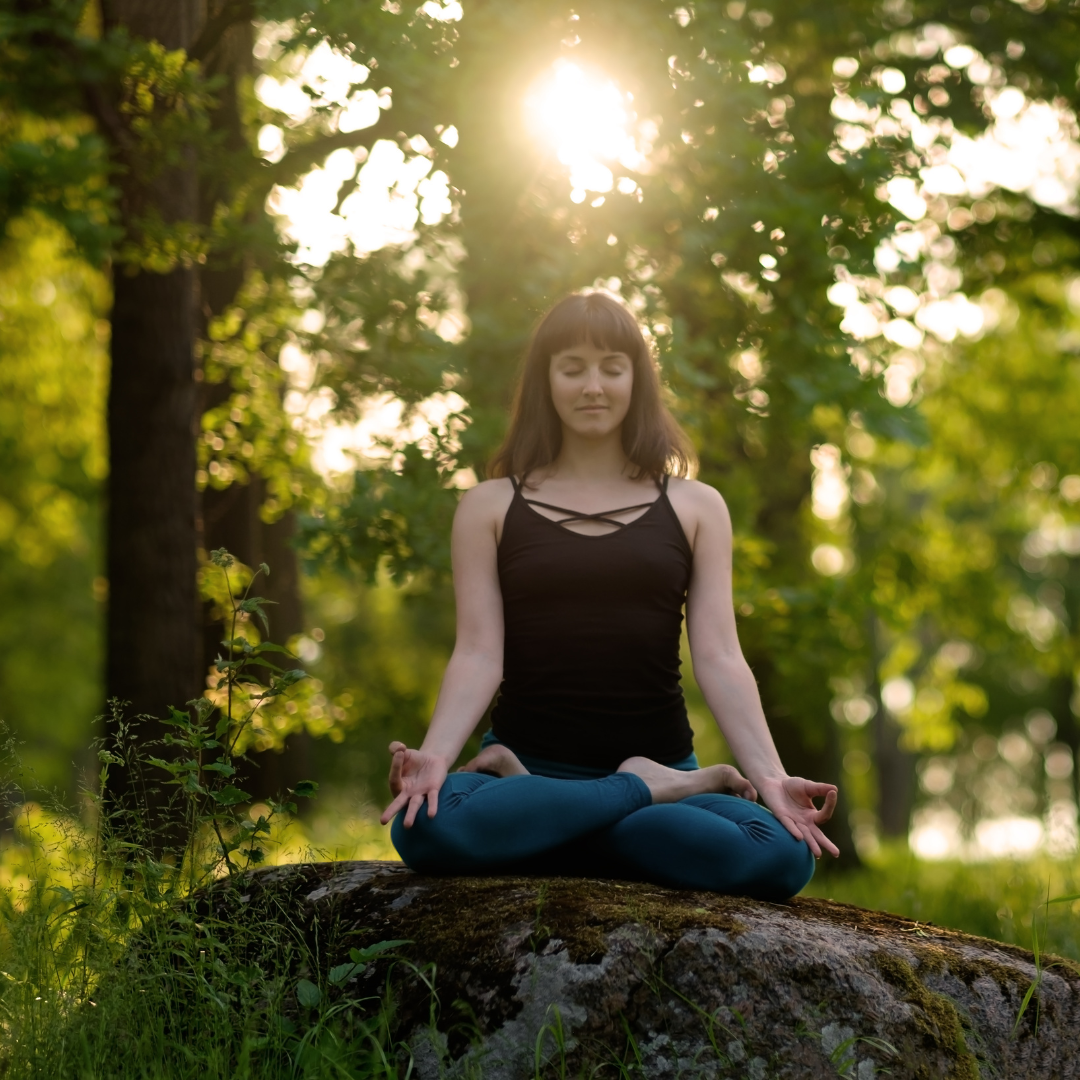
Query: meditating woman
571,569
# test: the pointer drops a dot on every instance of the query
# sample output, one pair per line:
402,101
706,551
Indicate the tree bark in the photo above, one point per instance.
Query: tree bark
566,977
152,643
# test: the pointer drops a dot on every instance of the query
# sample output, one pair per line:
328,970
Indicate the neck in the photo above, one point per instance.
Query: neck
591,459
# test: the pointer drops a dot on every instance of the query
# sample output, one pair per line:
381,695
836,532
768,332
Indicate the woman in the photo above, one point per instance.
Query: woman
571,569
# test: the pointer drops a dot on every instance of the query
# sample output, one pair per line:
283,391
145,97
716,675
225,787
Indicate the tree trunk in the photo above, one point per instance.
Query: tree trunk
896,777
152,642
568,977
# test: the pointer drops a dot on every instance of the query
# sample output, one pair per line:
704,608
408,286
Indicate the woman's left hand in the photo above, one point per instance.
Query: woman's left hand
790,798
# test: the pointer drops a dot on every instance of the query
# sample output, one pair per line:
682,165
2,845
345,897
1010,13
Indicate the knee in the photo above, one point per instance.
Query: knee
791,866
427,846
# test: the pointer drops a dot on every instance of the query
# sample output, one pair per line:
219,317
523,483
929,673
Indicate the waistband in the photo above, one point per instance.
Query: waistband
560,770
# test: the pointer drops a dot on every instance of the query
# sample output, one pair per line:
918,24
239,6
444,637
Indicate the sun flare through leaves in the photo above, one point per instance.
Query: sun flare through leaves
587,121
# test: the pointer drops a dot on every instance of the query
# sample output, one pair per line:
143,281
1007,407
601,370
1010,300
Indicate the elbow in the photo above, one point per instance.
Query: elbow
719,657
479,656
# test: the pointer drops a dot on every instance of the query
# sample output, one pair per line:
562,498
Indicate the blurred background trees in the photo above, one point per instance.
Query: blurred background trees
851,234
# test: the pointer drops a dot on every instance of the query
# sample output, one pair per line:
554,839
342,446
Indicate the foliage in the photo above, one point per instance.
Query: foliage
52,395
108,972
769,139
205,786
380,660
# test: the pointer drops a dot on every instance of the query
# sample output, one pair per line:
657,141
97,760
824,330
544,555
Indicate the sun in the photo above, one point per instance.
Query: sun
587,121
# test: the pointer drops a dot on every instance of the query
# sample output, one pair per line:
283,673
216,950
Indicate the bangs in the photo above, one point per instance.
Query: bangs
595,319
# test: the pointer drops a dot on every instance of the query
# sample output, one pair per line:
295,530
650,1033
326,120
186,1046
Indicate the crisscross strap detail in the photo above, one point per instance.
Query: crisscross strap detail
574,515
606,517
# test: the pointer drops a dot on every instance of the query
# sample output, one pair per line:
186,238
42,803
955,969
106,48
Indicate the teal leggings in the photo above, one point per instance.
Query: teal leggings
605,827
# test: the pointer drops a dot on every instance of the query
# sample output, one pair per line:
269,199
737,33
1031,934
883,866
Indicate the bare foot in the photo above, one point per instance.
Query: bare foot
670,785
498,760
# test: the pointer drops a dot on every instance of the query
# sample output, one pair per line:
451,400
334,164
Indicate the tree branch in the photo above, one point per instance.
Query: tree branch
231,13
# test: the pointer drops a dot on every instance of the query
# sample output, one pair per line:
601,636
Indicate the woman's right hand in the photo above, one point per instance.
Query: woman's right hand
415,775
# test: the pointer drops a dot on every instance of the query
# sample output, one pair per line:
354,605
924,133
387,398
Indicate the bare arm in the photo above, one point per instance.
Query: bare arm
727,682
475,668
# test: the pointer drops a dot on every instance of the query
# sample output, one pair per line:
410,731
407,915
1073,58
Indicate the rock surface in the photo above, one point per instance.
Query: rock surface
576,973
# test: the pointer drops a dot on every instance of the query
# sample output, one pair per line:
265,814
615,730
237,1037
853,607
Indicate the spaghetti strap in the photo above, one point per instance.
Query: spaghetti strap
663,483
513,480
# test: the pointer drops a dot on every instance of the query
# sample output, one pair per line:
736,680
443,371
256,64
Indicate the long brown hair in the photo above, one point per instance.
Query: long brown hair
651,437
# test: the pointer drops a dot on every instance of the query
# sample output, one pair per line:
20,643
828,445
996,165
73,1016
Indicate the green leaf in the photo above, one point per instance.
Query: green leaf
305,789
1064,899
220,767
342,972
369,952
269,646
254,605
230,796
308,994
169,766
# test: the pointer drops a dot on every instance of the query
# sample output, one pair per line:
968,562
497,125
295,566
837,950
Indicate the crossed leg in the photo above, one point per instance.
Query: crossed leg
612,827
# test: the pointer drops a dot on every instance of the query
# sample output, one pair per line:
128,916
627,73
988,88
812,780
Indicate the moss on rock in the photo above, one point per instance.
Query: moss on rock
682,983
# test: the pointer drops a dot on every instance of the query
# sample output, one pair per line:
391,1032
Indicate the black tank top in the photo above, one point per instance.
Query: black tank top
593,626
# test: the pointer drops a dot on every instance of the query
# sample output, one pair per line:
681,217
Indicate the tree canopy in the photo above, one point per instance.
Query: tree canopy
870,340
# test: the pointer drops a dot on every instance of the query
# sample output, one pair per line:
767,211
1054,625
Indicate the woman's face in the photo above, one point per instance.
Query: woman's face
591,388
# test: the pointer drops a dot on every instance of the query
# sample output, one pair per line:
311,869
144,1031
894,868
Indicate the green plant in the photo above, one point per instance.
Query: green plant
550,1030
114,965
202,765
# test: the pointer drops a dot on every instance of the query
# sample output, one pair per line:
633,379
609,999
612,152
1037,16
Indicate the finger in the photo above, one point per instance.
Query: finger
812,844
432,802
392,810
415,802
469,766
826,843
395,772
396,747
750,792
792,827
826,811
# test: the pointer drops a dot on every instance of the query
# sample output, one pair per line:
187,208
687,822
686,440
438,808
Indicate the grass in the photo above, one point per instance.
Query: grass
96,984
999,899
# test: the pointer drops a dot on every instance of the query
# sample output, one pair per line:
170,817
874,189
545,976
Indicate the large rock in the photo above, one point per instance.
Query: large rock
678,984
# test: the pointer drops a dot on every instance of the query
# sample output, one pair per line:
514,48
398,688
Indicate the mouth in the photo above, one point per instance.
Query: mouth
592,408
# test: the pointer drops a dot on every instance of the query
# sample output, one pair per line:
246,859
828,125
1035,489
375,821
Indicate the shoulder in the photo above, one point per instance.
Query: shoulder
486,503
700,508
702,500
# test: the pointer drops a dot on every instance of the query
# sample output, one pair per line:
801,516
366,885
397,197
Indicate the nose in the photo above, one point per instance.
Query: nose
593,384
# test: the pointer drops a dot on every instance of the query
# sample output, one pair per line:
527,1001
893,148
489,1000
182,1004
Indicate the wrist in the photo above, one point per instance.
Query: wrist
765,778
440,753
